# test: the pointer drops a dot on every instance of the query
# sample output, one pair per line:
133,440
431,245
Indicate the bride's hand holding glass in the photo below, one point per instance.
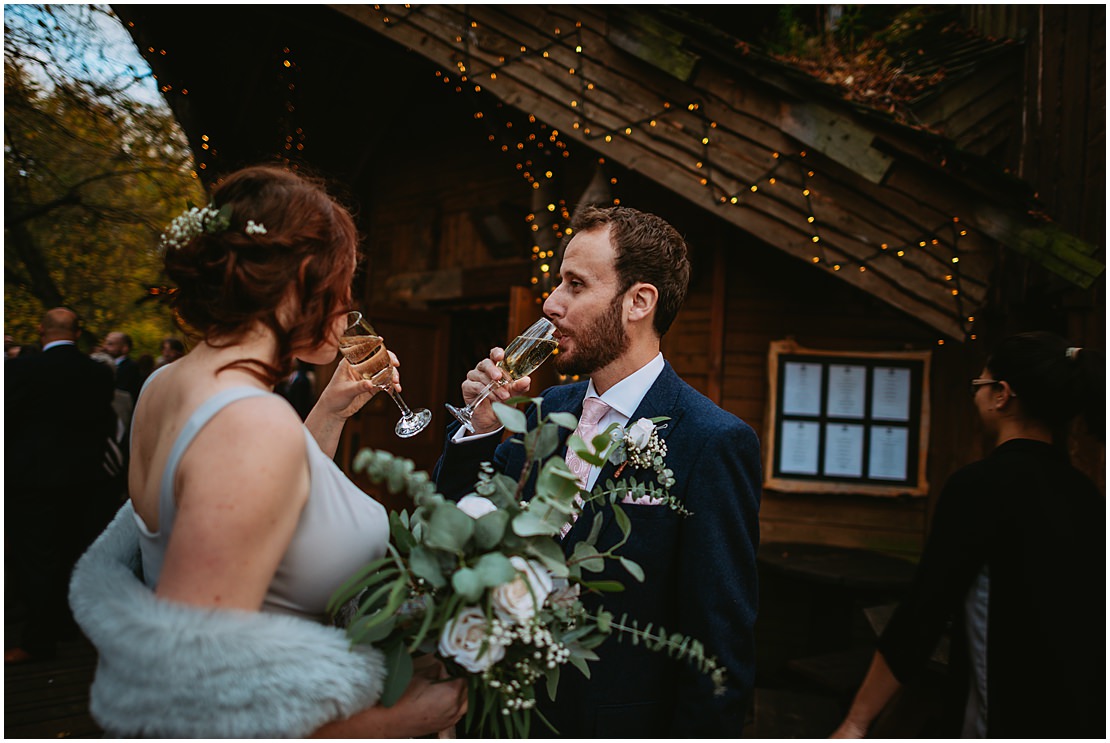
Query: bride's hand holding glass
347,393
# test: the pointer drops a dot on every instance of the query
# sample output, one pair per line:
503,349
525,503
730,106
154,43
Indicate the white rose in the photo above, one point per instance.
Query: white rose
519,599
640,433
475,506
464,638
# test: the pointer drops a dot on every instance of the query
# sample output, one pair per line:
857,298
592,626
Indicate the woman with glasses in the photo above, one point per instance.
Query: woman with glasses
1014,564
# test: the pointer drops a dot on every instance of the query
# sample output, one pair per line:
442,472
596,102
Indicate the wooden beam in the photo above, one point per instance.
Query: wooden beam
837,137
649,40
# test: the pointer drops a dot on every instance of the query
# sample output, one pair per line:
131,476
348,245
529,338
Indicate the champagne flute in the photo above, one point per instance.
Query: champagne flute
365,351
523,356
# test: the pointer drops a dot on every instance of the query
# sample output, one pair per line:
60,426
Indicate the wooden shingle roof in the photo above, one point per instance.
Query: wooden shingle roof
901,213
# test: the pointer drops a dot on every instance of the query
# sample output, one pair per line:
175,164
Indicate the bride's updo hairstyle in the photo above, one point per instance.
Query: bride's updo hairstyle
282,233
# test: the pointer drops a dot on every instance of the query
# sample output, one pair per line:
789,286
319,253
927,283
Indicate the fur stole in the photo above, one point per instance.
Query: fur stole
170,670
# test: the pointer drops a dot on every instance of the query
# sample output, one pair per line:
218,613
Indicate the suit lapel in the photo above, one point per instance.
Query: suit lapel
660,400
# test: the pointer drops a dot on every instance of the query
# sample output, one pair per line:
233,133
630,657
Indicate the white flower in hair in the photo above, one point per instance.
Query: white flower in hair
203,220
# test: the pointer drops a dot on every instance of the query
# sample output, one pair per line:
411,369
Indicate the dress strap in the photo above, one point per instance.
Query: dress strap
167,508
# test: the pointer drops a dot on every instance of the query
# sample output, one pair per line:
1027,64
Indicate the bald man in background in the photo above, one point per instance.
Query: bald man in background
59,490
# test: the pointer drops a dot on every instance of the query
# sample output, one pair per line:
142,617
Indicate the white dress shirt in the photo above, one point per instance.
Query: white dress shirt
623,398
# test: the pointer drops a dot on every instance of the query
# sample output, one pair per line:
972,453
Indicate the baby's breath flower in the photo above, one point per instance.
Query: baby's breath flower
203,220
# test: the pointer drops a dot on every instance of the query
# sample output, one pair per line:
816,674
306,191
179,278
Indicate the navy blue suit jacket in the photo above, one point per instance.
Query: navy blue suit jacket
700,570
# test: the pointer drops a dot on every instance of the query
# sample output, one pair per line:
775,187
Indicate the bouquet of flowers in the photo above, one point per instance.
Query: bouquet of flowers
485,584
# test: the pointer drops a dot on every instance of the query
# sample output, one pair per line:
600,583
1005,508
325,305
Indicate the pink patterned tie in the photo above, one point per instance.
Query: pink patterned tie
593,410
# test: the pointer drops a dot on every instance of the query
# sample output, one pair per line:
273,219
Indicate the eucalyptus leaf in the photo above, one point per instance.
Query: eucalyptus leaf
527,524
522,400
595,529
550,554
544,441
494,569
504,492
449,528
511,418
623,521
587,556
467,584
424,564
563,420
362,631
633,569
489,529
557,481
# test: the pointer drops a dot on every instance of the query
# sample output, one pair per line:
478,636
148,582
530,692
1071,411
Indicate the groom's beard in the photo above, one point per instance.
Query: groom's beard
598,344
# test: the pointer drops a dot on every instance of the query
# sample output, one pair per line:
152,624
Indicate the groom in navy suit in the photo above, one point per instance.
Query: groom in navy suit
624,275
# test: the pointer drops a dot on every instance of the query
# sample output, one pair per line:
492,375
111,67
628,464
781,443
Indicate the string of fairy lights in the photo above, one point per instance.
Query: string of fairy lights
538,146
467,76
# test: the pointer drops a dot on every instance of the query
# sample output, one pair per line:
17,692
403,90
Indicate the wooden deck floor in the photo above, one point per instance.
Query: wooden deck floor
50,698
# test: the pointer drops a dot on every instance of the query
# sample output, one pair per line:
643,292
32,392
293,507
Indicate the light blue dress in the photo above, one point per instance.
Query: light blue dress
340,529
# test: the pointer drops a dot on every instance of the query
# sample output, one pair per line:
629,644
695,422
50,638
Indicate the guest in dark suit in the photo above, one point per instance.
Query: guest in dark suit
58,418
624,277
129,377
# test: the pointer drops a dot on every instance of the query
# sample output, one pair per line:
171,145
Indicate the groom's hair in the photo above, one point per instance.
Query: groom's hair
648,250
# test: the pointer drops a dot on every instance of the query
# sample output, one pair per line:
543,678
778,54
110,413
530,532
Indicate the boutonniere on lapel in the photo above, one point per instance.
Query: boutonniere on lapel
640,445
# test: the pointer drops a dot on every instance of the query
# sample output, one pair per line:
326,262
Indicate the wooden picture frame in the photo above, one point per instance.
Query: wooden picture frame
846,422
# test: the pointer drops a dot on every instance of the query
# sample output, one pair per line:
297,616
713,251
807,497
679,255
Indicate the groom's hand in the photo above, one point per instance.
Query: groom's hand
487,372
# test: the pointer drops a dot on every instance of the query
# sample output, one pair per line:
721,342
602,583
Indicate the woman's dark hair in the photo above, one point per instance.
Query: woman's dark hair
648,249
230,279
1053,381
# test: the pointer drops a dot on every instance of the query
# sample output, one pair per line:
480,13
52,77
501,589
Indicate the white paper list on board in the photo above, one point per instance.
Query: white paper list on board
798,450
890,393
847,390
889,453
844,450
801,394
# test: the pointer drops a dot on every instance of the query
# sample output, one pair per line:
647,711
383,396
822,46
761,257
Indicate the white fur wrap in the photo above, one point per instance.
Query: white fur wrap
170,670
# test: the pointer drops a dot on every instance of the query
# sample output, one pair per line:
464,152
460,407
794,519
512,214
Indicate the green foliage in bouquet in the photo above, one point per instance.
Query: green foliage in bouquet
485,584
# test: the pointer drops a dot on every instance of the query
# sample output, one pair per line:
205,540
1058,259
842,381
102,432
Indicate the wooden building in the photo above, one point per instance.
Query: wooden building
818,210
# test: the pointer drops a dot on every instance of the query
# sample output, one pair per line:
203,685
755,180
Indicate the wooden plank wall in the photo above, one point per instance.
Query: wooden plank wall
767,298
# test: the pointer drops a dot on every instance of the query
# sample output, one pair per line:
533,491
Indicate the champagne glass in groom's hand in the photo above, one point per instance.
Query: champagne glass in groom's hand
365,351
523,356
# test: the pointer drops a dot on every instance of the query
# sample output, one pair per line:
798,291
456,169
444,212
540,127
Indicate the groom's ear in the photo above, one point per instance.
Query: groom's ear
641,299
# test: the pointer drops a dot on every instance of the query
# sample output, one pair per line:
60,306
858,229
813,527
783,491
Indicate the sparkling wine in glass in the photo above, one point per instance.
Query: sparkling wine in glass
365,351
523,356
